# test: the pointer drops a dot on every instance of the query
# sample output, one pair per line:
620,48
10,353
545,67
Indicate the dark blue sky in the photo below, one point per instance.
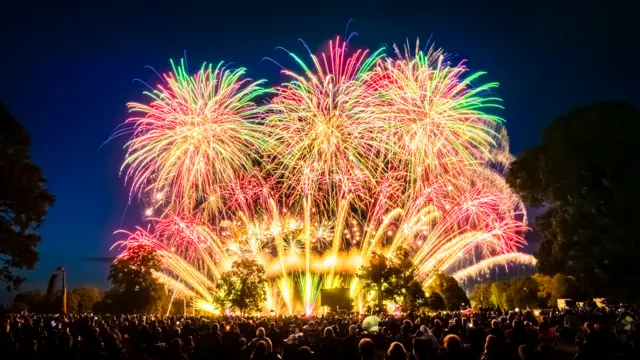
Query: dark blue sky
67,71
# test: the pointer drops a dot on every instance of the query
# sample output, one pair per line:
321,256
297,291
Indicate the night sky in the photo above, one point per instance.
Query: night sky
68,71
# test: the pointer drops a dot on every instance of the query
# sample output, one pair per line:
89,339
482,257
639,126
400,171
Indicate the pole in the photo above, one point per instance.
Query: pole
64,292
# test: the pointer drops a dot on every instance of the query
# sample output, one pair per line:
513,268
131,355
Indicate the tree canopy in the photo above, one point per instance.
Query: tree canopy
524,293
81,300
415,299
552,288
242,287
436,302
584,175
534,291
449,289
393,278
481,296
31,300
133,286
23,201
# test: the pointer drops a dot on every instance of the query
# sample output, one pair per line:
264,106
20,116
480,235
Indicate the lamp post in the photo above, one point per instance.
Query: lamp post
64,289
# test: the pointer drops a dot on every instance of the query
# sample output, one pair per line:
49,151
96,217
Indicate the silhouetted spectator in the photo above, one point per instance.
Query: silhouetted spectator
518,335
453,349
175,350
312,331
493,349
528,352
437,330
328,346
274,335
260,351
497,331
304,353
405,337
367,349
350,344
423,349
476,338
396,352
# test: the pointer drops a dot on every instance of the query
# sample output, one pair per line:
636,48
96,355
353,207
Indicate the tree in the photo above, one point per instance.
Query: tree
415,298
449,289
373,276
552,288
524,292
481,296
82,300
436,302
18,307
401,285
500,296
133,286
242,287
393,278
37,301
519,292
23,201
33,300
584,173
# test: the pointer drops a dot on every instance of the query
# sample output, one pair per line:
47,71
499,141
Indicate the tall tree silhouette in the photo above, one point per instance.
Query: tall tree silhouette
133,286
23,201
585,175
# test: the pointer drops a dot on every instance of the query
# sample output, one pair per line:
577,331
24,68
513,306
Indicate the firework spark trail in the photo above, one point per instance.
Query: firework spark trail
197,133
441,136
486,265
197,280
357,154
320,142
321,147
433,116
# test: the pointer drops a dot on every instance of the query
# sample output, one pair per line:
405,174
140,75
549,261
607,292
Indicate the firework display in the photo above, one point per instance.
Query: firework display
356,153
196,135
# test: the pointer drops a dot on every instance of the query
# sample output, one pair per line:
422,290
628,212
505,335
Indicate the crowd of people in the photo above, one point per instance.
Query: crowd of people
486,335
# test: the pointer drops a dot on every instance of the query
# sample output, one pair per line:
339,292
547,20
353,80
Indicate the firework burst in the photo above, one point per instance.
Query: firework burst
358,154
319,141
195,136
432,115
